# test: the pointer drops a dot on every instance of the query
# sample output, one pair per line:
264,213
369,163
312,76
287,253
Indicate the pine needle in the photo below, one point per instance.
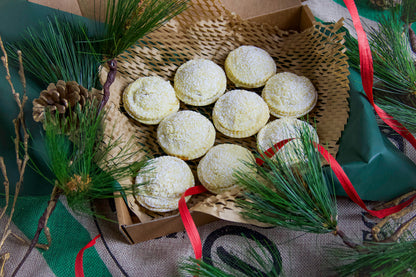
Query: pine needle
128,21
292,196
394,68
376,259
397,107
80,163
260,259
57,49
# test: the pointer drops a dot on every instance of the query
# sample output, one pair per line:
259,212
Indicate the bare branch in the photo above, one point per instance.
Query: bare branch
43,221
19,126
6,186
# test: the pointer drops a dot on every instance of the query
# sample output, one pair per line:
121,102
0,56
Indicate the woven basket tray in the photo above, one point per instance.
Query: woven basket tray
208,30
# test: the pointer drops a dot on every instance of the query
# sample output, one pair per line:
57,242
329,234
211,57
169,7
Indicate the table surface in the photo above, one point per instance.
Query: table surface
302,254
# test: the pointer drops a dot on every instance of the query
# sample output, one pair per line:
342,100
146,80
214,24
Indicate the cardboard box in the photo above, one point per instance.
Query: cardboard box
285,14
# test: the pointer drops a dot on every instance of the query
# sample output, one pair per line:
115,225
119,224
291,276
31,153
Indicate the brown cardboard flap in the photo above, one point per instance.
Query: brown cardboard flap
286,14
70,6
248,9
163,226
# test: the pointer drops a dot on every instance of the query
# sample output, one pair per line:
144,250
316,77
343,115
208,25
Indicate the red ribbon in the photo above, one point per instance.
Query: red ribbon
79,269
189,223
335,166
367,74
343,179
350,190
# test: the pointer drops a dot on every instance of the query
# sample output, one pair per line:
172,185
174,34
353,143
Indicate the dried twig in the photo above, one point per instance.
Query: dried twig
375,231
3,260
400,230
412,37
112,64
43,221
19,127
346,240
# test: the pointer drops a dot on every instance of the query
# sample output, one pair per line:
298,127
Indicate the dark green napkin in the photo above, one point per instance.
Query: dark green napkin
376,168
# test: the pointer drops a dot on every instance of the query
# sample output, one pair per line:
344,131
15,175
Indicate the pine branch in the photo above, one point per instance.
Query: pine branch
251,260
59,49
84,167
376,259
128,21
293,196
112,64
394,68
402,108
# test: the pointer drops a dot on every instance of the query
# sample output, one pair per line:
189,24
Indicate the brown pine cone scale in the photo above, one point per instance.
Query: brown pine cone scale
61,97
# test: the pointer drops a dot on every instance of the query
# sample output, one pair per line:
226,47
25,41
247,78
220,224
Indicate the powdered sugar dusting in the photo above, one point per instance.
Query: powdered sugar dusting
240,113
288,94
216,168
281,129
199,82
150,99
249,66
166,178
186,134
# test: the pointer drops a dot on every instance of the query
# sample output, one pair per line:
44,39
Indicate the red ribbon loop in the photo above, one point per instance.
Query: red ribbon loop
188,222
79,268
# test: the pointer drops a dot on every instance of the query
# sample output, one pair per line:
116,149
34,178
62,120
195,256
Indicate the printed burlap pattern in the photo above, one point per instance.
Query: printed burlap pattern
207,30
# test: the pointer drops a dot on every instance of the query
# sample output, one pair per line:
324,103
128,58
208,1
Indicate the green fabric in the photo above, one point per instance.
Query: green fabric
15,16
376,168
68,237
366,9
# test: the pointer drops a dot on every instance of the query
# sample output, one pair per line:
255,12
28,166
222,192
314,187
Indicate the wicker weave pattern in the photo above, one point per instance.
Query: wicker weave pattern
208,30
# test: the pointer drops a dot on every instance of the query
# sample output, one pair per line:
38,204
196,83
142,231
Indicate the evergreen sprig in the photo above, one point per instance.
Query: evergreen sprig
394,68
57,49
402,110
293,196
260,259
376,259
82,166
128,21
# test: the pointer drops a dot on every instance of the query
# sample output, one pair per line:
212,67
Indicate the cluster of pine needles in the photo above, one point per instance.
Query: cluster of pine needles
393,46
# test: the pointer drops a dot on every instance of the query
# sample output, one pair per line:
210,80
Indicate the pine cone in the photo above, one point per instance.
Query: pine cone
61,97
384,4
